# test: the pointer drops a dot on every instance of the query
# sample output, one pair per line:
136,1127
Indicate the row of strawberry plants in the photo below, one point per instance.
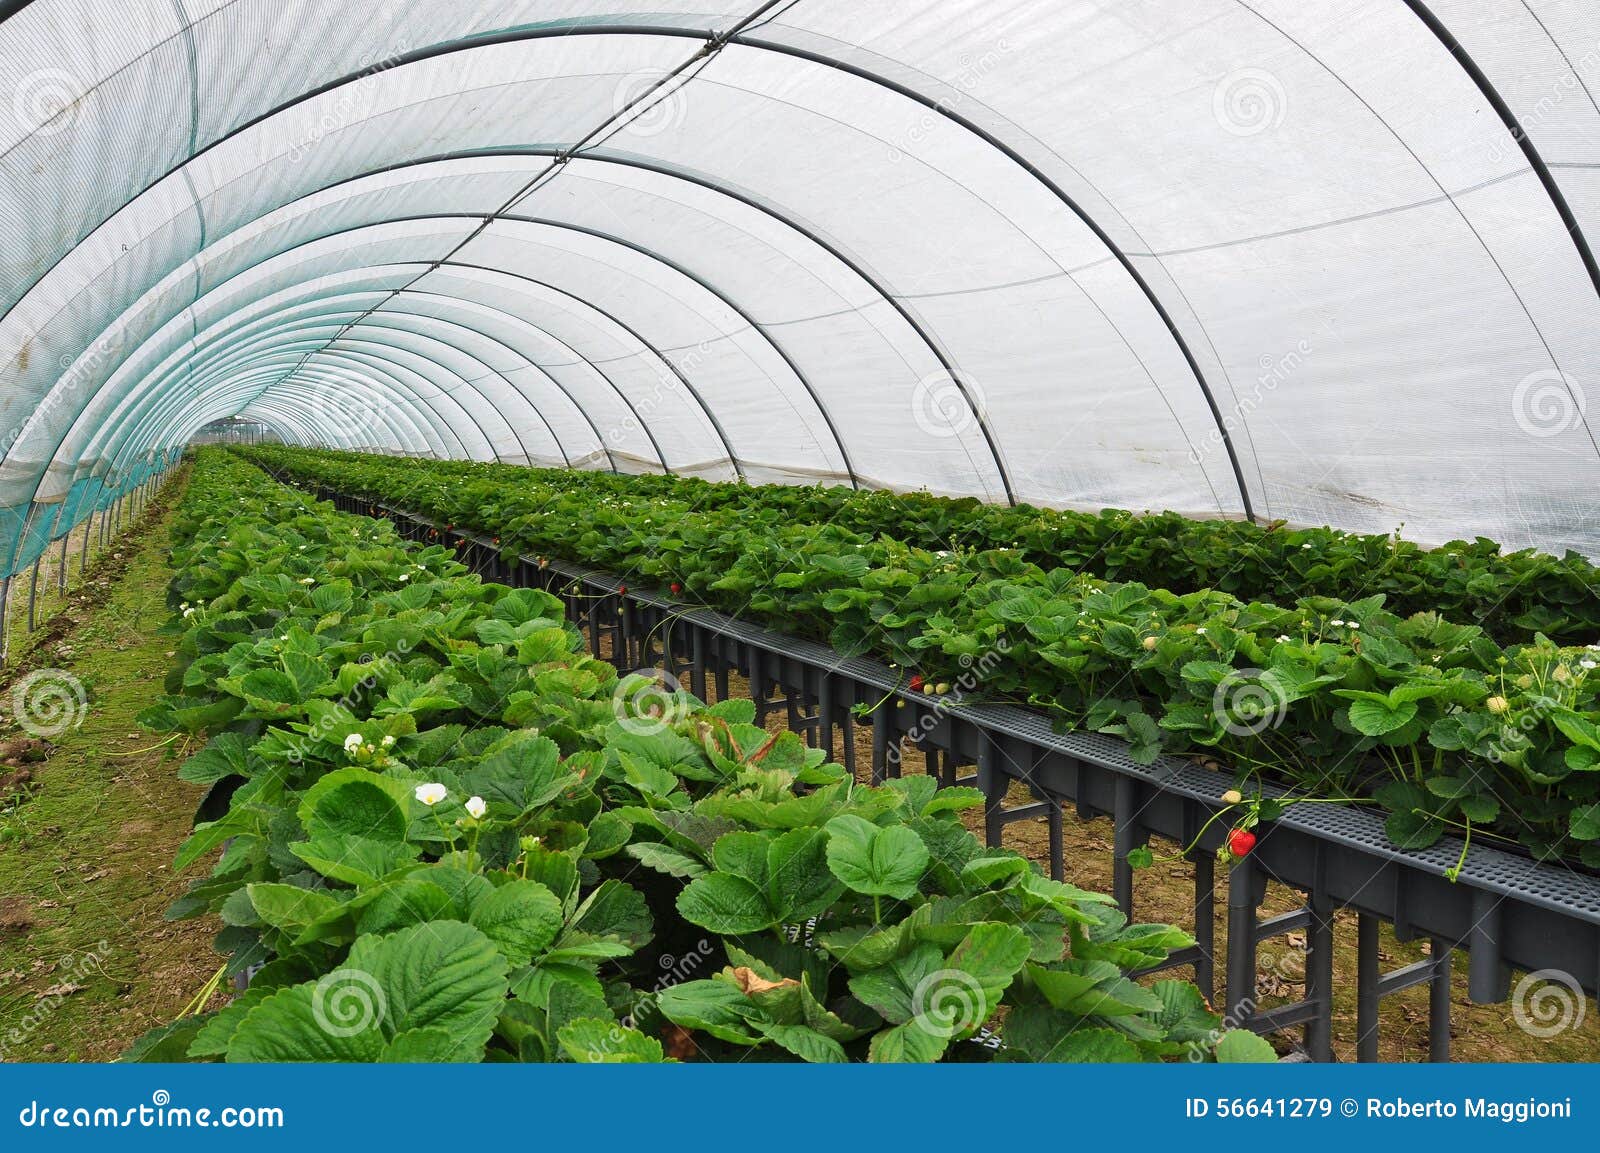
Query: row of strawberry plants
1511,596
1433,720
454,836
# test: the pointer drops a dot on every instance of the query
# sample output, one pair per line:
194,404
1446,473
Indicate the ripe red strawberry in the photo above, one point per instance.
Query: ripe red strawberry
622,590
496,540
916,682
675,588
1240,842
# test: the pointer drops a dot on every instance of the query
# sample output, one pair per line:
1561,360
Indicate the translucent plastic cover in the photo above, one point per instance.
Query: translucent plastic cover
1318,262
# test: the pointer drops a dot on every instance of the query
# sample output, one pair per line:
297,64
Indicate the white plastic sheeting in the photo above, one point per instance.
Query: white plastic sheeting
1323,262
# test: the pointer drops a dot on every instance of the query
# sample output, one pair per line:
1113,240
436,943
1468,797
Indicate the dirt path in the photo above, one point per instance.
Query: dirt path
87,962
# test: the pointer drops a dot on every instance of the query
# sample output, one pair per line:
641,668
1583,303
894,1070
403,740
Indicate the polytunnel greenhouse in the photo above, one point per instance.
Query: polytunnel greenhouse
967,531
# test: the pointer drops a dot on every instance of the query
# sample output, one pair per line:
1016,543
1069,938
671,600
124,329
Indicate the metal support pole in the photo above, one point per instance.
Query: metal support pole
5,619
61,568
1124,839
1243,901
1319,978
1439,1002
33,595
1205,922
1488,977
88,531
1367,976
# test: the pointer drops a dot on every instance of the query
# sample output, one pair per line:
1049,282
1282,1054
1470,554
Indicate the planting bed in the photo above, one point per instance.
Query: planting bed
446,833
1502,908
1338,699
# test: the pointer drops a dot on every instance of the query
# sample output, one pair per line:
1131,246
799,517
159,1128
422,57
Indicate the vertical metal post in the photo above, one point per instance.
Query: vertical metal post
1367,976
1319,977
1242,903
5,619
993,783
1439,1002
1123,841
1488,977
758,685
61,567
1058,854
697,666
880,742
826,706
88,530
33,595
1205,922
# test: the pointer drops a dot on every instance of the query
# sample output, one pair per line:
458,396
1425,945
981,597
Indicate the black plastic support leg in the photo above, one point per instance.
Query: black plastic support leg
1243,901
1488,977
1439,1001
1319,979
1367,976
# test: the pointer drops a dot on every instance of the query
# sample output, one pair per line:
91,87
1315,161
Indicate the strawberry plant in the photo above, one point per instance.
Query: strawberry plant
443,833
1381,696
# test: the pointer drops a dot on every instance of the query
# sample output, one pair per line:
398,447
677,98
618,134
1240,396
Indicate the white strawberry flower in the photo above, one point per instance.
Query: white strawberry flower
352,742
308,580
476,807
431,794
388,741
405,576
